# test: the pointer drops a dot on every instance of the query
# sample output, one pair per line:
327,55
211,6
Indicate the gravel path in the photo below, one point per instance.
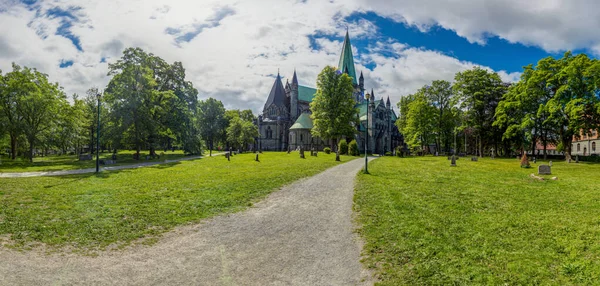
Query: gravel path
93,170
299,235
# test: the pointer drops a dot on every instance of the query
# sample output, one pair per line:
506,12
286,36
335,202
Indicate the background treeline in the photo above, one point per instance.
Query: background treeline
553,102
147,105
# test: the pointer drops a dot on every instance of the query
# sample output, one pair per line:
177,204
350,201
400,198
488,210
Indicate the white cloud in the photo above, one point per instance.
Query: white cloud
235,47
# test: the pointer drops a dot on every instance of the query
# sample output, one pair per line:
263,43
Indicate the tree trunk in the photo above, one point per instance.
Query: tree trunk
13,146
567,145
31,150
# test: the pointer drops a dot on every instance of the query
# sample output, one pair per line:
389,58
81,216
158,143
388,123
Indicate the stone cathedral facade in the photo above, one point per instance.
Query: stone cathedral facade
285,120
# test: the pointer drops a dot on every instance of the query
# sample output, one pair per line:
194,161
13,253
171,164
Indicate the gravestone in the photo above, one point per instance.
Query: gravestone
474,159
534,160
85,157
544,170
301,152
227,156
289,149
550,163
577,158
257,157
453,162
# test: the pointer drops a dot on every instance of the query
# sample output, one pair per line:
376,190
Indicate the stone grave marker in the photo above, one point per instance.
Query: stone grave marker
577,158
534,160
257,157
544,170
474,159
550,163
453,162
301,152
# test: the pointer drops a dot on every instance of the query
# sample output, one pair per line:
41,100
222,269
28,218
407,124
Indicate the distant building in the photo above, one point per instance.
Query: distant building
285,120
586,145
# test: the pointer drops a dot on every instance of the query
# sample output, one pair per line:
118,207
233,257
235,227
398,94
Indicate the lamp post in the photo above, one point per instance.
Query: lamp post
98,96
367,96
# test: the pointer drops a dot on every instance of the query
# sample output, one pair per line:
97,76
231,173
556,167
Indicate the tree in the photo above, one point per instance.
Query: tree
211,120
573,108
333,108
37,102
440,96
12,89
150,102
419,121
241,132
478,92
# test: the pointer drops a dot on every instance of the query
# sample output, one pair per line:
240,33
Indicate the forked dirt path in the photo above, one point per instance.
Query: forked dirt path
302,234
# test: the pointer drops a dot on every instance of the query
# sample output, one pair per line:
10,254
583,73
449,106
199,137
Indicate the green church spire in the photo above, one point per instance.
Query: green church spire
347,60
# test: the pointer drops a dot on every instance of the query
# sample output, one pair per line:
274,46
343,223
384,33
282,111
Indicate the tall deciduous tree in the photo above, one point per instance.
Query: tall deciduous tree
211,120
479,91
151,103
333,108
38,104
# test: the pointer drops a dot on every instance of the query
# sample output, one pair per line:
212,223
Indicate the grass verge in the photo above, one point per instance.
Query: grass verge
484,222
94,211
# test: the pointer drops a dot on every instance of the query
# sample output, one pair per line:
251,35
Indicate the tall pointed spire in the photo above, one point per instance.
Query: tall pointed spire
295,78
372,95
388,103
346,63
277,94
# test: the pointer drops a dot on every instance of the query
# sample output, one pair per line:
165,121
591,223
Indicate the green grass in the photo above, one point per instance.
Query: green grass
119,207
486,222
70,162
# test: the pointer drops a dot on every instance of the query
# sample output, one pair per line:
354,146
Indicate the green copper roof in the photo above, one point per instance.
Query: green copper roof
347,60
306,93
303,122
362,109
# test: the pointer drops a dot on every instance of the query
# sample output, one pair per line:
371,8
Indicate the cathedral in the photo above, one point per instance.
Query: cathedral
285,121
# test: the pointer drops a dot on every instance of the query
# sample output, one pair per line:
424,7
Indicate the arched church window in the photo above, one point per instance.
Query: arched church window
578,147
302,138
594,146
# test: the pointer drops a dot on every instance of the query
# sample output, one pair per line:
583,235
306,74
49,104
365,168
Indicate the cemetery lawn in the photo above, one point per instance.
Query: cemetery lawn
71,162
136,205
482,222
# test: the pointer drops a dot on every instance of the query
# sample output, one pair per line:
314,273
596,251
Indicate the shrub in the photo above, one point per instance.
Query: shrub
388,153
353,148
399,151
327,150
343,147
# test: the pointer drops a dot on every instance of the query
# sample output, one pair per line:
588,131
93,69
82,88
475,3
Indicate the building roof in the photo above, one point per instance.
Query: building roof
303,122
295,78
277,94
306,93
346,63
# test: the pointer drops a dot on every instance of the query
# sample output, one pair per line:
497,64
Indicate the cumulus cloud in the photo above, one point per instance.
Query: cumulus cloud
233,49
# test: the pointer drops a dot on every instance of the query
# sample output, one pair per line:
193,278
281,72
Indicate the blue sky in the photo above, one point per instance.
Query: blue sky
232,49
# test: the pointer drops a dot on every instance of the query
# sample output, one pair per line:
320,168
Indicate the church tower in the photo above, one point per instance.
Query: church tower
294,98
346,64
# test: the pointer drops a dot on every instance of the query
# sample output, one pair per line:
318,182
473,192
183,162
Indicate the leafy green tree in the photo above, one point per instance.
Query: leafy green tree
241,132
150,102
440,96
333,111
420,121
478,93
38,103
13,88
573,108
211,119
